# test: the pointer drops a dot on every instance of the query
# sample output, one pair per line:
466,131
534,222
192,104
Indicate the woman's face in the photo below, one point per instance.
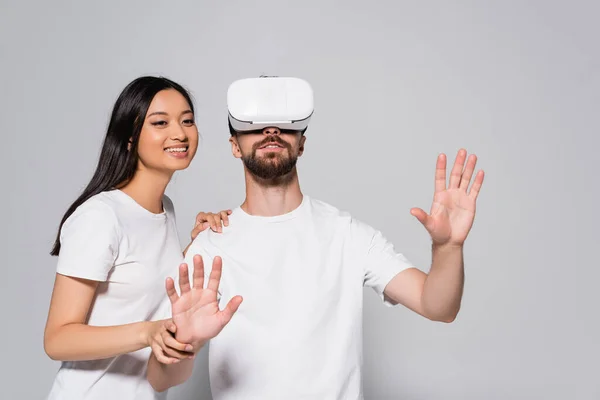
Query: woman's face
169,137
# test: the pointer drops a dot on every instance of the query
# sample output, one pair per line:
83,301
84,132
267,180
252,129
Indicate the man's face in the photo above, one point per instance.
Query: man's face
270,154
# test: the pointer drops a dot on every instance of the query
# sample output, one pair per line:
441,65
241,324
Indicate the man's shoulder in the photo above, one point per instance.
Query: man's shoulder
200,240
198,246
327,211
209,241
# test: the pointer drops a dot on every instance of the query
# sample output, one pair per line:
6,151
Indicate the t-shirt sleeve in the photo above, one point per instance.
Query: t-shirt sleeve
89,241
381,260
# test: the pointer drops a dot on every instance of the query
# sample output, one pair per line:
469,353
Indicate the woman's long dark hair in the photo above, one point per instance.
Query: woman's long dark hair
119,157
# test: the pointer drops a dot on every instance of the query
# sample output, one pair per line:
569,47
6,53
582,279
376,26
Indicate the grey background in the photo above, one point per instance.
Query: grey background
395,83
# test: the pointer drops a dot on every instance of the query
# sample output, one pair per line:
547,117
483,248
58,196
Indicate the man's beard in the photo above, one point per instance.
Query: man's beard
272,165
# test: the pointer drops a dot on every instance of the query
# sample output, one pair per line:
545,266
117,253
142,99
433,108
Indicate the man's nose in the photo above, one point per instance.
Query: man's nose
271,131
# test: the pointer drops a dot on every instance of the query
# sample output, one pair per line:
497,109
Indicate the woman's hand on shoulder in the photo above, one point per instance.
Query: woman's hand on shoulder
214,221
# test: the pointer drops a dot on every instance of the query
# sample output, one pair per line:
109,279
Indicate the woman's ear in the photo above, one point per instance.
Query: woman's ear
129,143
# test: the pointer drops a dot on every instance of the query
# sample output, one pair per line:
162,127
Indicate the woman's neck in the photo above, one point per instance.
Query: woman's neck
147,188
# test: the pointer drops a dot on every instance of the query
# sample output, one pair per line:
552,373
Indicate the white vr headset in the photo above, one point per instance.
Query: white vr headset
258,103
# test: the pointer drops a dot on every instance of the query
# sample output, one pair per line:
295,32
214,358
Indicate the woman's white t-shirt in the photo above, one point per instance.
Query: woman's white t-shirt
112,239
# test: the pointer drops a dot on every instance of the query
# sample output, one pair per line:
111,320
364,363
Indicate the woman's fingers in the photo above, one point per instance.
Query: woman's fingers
176,354
160,355
225,217
215,223
172,343
171,327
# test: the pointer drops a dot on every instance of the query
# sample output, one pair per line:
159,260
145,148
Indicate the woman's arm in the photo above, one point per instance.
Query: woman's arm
68,338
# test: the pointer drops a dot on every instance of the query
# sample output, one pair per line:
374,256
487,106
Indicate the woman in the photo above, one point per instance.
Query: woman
116,245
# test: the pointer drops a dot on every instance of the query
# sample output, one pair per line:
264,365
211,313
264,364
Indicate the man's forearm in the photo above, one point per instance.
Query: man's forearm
443,289
164,376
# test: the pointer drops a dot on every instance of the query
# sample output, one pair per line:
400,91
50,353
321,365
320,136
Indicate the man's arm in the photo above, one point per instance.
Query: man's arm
163,376
437,295
196,318
164,372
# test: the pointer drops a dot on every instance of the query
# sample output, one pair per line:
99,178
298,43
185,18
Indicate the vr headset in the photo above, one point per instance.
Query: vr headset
269,101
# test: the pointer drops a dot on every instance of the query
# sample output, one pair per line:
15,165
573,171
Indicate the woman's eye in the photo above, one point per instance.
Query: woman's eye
159,123
189,122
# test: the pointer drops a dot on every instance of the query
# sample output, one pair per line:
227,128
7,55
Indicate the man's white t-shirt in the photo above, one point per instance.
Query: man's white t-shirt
298,331
112,239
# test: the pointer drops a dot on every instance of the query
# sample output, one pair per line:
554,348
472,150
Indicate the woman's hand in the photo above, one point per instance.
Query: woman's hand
165,347
215,221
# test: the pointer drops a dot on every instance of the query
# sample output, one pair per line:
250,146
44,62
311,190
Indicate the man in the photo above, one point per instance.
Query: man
300,265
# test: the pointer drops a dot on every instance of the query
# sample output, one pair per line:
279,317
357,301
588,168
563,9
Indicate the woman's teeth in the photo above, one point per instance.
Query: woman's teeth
176,149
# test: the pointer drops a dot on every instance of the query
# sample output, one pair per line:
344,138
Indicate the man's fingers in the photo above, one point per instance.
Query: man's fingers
468,173
184,279
215,274
171,292
198,272
440,173
476,187
232,306
420,214
457,169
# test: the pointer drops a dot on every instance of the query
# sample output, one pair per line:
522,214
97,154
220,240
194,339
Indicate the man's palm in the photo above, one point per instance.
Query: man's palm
453,209
196,311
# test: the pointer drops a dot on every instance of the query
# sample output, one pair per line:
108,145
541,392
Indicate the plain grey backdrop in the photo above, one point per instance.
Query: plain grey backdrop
396,83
